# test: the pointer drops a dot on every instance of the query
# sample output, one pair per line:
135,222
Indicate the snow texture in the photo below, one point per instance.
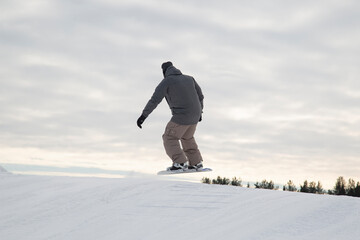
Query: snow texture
57,208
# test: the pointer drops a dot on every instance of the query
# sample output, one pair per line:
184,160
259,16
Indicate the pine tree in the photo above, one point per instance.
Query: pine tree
357,190
215,181
225,181
319,188
290,186
265,185
340,186
271,185
305,187
236,182
206,180
312,187
331,192
350,190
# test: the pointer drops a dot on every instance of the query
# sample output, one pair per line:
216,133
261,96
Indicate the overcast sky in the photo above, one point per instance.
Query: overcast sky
280,80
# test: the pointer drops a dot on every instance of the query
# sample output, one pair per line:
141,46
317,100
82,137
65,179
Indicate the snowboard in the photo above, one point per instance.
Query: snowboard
165,172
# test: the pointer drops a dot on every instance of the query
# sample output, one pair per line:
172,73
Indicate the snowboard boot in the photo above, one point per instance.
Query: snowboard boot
177,167
196,167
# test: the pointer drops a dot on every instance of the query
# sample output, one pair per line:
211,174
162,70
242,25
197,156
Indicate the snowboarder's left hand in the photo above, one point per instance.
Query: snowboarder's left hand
141,120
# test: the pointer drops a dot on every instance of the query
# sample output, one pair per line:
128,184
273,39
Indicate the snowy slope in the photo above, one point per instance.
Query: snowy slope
3,170
58,208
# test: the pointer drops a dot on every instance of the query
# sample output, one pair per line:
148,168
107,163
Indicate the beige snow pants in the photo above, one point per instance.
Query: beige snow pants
176,133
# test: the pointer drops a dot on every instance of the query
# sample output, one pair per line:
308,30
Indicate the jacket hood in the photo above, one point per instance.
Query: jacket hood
172,71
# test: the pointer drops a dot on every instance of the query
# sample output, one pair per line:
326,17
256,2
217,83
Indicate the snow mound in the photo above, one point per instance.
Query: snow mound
3,170
58,208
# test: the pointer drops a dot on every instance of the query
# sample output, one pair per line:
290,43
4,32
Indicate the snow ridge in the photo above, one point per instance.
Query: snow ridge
3,170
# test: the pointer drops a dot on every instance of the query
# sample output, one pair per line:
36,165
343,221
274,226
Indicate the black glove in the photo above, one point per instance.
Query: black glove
141,120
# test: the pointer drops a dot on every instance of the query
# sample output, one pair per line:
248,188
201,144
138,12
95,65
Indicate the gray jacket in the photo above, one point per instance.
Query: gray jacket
183,95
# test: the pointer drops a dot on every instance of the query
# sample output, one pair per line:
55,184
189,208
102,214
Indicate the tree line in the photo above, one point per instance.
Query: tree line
342,187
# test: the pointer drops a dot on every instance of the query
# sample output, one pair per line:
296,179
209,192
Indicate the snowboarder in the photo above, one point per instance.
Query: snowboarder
185,99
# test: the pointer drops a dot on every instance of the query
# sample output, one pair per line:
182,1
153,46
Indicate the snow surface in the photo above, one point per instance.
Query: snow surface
58,208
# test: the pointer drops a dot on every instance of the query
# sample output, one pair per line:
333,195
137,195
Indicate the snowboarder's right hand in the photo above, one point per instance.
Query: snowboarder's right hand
141,120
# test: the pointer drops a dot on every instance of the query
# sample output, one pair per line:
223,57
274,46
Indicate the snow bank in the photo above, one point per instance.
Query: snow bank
3,170
43,207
